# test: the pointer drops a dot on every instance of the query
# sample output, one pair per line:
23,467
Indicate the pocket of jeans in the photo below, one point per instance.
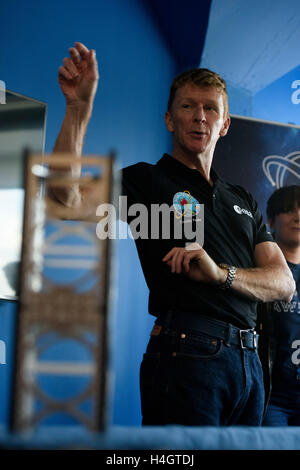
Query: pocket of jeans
200,346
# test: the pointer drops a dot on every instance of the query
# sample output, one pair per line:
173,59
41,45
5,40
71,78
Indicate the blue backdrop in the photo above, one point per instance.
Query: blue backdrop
135,72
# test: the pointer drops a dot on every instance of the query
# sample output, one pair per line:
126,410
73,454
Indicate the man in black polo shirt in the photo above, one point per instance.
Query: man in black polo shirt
201,365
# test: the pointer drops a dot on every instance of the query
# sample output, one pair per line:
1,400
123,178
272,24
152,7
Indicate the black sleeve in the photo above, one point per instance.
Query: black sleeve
135,185
262,233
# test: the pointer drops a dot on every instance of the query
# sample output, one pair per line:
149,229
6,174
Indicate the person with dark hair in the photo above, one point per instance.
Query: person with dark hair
201,365
283,211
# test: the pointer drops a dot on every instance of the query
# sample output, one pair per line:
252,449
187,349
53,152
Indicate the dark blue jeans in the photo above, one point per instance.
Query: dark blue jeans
281,416
190,378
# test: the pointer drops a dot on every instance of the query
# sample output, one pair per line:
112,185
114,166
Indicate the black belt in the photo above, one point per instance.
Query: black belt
231,335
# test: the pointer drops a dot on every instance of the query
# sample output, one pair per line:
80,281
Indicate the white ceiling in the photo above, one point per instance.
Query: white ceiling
252,43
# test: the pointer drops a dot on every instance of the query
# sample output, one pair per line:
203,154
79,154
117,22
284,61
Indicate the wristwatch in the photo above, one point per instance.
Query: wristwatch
230,276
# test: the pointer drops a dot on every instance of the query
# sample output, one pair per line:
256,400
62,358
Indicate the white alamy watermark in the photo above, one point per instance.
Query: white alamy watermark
296,354
159,221
2,92
2,352
296,94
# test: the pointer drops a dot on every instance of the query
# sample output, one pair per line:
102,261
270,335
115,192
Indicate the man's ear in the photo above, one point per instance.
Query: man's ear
225,127
169,121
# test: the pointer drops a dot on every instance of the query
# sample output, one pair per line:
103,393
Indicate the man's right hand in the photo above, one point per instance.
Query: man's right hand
78,77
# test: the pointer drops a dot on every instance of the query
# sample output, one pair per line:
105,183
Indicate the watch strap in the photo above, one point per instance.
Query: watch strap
230,277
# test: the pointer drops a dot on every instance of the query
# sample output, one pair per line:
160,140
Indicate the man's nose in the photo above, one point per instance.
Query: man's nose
199,115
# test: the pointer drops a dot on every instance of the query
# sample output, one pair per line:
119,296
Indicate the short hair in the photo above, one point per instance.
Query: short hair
201,78
283,200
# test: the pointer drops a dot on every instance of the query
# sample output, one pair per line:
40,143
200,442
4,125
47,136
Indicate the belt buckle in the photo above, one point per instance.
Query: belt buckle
242,338
254,339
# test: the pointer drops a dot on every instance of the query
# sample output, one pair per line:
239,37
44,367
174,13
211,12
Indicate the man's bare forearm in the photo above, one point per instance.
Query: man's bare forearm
270,280
265,284
73,129
70,140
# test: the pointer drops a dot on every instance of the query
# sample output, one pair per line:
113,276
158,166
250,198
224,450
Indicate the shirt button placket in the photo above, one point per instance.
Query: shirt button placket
214,197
